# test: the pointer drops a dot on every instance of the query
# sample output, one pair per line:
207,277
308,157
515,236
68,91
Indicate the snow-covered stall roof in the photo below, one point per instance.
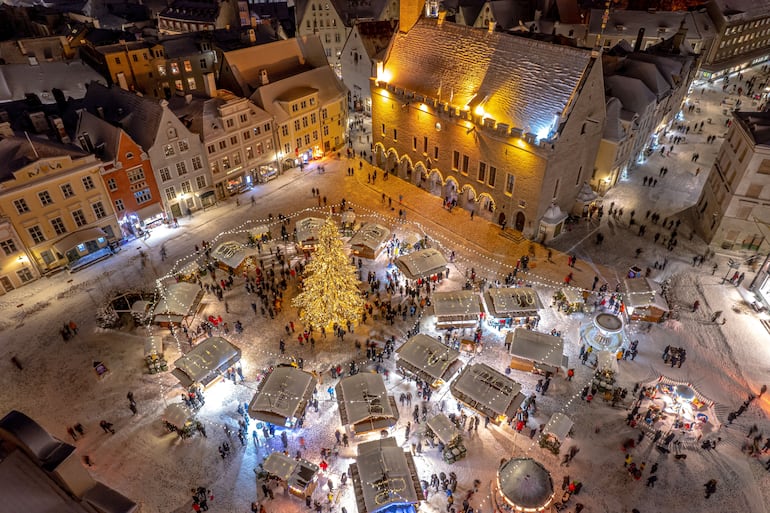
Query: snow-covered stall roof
525,483
44,449
282,395
421,264
177,301
488,391
456,302
370,236
443,428
384,475
308,230
536,346
507,301
296,473
642,293
205,361
428,358
522,82
363,399
232,253
573,296
559,425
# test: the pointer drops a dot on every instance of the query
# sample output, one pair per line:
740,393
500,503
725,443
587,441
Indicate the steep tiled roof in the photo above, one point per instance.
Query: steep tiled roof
18,80
349,11
323,79
16,153
139,116
613,131
375,36
100,132
632,93
522,82
648,73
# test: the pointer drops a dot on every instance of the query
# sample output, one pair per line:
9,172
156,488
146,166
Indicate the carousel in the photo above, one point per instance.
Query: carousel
673,406
604,332
523,484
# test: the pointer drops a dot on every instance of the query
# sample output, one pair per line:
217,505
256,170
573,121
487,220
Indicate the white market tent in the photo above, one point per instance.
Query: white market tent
364,403
421,264
232,254
532,349
282,396
456,309
487,391
206,361
507,302
559,425
308,230
369,240
385,477
178,302
428,359
525,485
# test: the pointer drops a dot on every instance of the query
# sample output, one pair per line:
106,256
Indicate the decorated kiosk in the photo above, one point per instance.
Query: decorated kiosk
153,354
282,396
369,241
385,479
644,300
456,309
421,264
558,428
444,429
307,233
179,419
523,485
364,403
206,362
570,300
428,359
298,476
234,256
487,391
510,306
178,305
532,351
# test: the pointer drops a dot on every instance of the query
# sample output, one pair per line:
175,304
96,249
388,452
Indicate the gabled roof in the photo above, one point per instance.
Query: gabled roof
348,11
138,115
71,77
525,83
384,475
632,93
17,153
648,73
375,36
100,132
323,79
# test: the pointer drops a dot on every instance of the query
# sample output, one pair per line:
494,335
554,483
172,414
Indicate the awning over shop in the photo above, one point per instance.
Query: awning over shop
76,238
150,211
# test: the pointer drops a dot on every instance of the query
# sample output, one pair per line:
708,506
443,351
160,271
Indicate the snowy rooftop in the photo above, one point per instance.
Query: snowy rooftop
178,300
526,83
536,346
641,292
421,264
559,425
526,483
626,23
747,9
283,393
308,228
505,301
384,475
296,473
428,358
483,388
17,80
456,302
363,397
443,428
205,358
232,253
370,236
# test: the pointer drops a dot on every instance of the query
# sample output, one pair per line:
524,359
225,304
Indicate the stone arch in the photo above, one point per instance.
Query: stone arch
391,160
435,182
405,168
420,175
487,205
380,155
451,188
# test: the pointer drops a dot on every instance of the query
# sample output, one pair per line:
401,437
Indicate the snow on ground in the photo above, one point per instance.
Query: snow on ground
725,362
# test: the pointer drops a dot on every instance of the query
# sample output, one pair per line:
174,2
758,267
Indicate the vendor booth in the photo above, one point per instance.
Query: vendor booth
444,429
179,419
556,430
385,479
307,233
233,256
570,300
260,233
509,306
206,362
644,300
179,303
456,309
282,396
298,476
369,241
532,351
487,391
428,359
364,403
523,484
421,264
153,354
348,222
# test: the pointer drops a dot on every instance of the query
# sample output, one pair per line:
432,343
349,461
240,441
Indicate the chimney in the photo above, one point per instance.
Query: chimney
491,28
441,17
210,84
263,80
639,39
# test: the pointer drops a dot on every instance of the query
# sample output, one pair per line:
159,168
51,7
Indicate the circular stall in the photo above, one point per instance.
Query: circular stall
523,484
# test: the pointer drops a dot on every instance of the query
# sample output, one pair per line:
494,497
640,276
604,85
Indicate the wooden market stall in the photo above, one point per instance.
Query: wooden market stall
178,304
282,396
421,264
456,309
369,241
348,222
231,255
644,300
385,478
555,432
153,354
259,233
448,434
206,362
487,391
307,232
509,306
572,299
364,403
532,351
428,359
298,476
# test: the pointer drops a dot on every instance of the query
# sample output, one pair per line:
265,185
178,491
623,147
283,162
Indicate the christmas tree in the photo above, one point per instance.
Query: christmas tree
330,292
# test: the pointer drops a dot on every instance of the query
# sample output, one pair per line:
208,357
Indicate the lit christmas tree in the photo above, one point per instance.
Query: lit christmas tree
330,288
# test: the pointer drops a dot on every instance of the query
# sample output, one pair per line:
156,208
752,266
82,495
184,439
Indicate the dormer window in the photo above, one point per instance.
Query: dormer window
129,156
171,132
326,7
